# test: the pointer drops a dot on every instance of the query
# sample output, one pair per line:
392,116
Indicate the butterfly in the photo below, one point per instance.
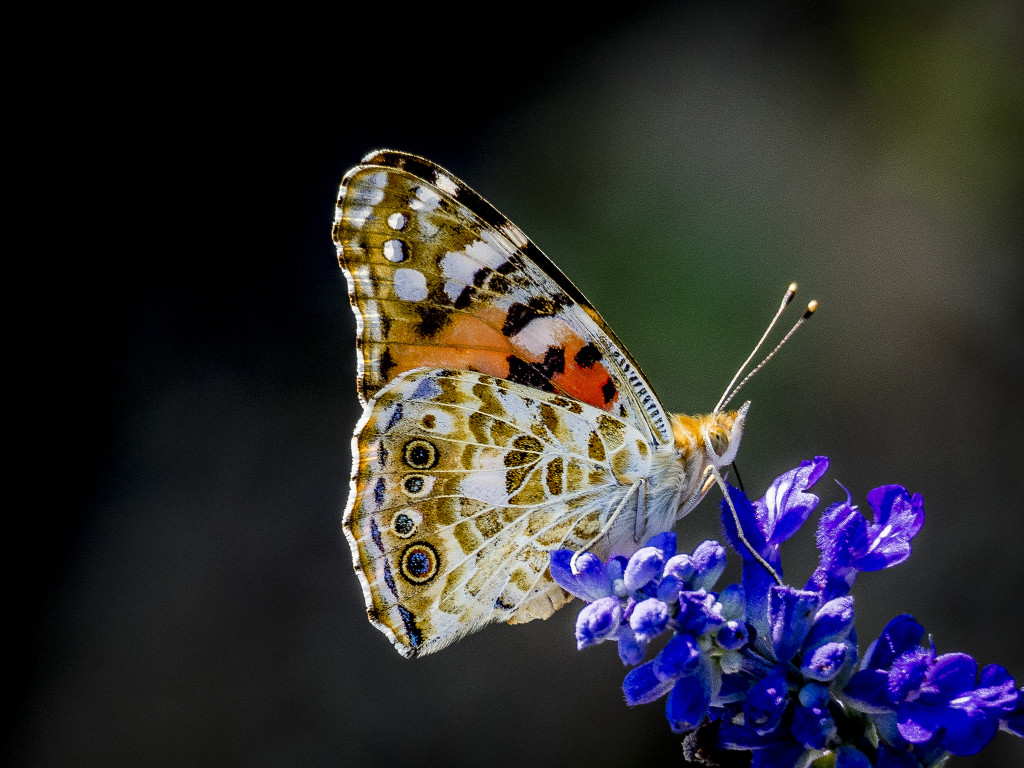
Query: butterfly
502,419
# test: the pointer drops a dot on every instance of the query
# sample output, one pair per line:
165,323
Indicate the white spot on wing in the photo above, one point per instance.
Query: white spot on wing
540,334
446,184
410,285
394,250
485,486
397,221
426,199
456,265
427,228
357,216
486,251
368,190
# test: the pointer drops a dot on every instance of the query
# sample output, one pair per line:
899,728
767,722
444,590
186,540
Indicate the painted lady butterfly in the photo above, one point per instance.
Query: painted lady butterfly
502,418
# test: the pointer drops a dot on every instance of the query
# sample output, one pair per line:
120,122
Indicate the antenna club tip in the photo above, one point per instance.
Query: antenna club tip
811,308
789,294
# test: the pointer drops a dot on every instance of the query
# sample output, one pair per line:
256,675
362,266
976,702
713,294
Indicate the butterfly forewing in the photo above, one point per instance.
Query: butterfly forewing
438,278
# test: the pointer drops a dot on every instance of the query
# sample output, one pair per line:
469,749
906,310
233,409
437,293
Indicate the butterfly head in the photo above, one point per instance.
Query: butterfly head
715,437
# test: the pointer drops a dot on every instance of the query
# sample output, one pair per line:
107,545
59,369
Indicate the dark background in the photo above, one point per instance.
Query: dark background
193,603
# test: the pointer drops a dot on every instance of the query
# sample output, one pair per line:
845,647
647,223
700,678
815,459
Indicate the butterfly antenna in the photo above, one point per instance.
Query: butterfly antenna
790,292
811,307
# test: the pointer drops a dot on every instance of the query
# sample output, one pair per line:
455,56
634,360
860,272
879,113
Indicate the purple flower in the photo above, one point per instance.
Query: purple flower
765,667
934,697
849,544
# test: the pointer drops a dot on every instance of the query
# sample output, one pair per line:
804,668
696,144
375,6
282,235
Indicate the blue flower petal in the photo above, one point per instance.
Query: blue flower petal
664,542
591,576
825,661
750,524
649,618
899,636
790,614
1013,722
814,695
585,577
832,622
645,565
561,572
952,674
631,648
787,505
642,686
678,658
668,589
766,703
898,518
598,621
734,635
813,727
709,562
786,755
841,535
869,690
687,703
995,692
699,612
850,757
968,731
917,723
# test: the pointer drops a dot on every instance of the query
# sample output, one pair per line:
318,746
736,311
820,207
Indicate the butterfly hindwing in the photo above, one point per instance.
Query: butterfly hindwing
463,486
438,278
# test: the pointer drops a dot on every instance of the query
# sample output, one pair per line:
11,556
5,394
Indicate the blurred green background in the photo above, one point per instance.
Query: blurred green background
682,163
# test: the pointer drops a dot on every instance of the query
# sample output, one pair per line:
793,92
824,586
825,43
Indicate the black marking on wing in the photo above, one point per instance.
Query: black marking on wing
608,390
433,319
528,374
409,620
537,375
385,363
521,315
588,355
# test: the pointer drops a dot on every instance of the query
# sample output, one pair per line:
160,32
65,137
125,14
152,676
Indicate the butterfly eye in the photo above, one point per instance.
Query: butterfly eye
719,440
419,454
420,562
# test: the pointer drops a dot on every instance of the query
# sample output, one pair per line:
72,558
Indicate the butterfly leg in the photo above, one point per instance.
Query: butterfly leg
739,528
638,487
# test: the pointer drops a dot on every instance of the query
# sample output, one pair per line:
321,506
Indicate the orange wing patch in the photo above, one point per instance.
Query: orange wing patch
546,354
